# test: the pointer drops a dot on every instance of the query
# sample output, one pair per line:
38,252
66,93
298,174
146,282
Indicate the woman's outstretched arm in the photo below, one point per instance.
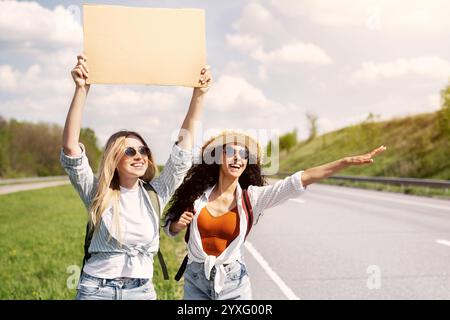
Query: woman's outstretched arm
324,171
292,186
72,126
187,131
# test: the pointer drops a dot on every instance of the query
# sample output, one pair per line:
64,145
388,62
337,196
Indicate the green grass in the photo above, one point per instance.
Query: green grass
42,236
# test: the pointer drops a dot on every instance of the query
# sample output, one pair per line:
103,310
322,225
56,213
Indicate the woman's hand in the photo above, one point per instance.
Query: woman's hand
182,223
204,81
81,72
365,158
315,174
188,128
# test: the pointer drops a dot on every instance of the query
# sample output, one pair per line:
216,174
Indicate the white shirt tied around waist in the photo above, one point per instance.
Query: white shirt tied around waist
139,232
261,198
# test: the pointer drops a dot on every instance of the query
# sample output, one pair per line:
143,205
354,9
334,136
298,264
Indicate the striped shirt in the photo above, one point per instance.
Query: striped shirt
103,245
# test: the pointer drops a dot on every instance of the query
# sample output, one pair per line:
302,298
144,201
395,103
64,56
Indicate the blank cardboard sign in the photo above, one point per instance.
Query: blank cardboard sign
129,45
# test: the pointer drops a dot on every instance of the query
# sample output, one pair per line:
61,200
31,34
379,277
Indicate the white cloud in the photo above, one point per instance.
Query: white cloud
245,43
9,78
255,19
430,67
434,102
36,80
234,103
416,15
234,93
262,37
33,25
294,53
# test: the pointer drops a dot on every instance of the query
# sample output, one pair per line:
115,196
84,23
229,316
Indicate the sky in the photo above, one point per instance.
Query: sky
272,62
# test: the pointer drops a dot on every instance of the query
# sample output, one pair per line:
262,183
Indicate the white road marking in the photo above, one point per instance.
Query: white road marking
272,274
444,242
409,202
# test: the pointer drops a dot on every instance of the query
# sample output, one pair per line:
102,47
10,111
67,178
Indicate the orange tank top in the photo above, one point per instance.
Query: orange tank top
217,232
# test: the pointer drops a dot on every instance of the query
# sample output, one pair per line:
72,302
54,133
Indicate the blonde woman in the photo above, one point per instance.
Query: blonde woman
124,221
220,199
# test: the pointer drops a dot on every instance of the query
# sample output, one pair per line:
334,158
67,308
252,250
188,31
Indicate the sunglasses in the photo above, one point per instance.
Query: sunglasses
230,152
143,150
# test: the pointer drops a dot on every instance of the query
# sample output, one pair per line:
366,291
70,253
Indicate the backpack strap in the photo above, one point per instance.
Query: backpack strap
183,265
248,214
248,211
155,203
182,268
87,243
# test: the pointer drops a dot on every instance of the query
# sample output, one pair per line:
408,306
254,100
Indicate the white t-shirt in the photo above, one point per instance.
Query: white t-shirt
137,228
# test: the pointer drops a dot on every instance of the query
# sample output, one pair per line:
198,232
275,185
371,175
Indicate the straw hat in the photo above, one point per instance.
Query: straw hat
241,138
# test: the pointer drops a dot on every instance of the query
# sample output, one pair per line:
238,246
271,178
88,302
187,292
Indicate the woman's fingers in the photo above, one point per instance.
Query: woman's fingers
205,69
367,158
378,150
186,218
360,160
188,214
83,69
205,76
84,64
82,57
184,222
77,72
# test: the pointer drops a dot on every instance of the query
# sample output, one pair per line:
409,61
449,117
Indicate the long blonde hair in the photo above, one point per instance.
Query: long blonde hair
108,190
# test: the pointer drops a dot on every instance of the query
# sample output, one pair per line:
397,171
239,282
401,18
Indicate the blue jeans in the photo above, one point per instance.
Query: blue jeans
93,288
236,287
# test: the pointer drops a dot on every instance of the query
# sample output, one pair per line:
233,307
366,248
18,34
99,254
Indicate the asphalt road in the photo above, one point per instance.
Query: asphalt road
344,243
4,189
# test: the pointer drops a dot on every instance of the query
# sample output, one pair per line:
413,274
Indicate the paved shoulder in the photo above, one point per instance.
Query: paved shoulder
31,186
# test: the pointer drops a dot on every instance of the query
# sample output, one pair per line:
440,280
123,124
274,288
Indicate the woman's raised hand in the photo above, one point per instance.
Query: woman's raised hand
205,80
81,72
365,158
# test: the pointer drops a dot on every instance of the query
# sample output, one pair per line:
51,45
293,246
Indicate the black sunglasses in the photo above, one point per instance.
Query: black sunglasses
230,152
143,150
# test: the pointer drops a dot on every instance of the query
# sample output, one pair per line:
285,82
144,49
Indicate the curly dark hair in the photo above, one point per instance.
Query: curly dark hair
203,176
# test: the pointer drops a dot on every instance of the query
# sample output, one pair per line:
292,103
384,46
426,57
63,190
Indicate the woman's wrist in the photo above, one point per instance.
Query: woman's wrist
81,89
198,93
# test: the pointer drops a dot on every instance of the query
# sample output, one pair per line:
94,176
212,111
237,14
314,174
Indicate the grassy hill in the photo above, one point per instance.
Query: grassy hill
417,147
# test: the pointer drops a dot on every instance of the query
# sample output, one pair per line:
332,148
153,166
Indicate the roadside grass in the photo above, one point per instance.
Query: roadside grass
41,246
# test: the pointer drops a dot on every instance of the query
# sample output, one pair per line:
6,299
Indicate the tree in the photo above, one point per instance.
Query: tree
444,113
312,120
4,147
288,140
89,140
29,149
